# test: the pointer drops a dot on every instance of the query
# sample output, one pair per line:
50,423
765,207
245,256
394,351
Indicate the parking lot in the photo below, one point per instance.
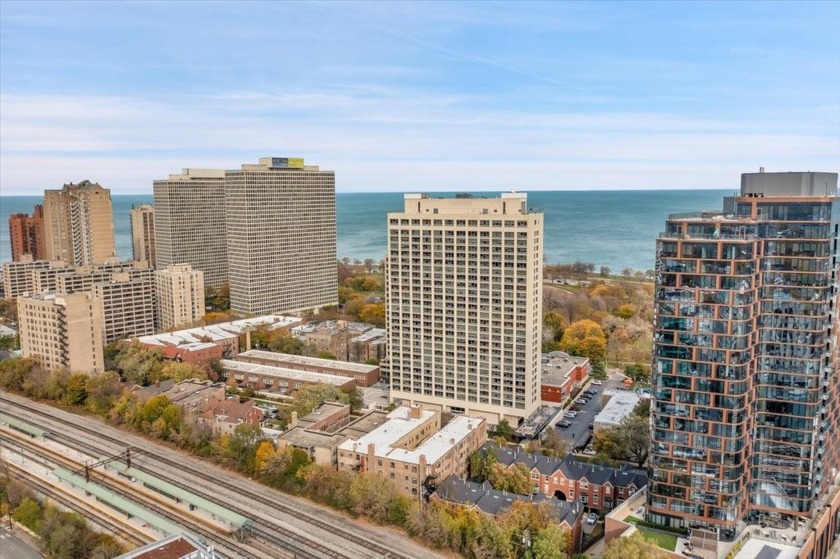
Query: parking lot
579,432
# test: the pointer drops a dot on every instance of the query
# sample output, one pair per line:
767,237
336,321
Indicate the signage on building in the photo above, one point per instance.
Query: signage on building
287,162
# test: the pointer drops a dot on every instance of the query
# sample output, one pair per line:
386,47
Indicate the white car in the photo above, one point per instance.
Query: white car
597,383
570,415
592,519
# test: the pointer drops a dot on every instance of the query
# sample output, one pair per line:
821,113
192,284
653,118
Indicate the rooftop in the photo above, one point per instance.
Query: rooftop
557,365
292,374
281,358
400,423
221,331
620,405
176,546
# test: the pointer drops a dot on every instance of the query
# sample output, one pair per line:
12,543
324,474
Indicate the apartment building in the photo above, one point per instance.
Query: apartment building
279,380
180,296
281,240
26,234
143,233
189,223
79,224
562,374
83,278
364,375
412,449
745,389
18,278
62,331
464,305
128,306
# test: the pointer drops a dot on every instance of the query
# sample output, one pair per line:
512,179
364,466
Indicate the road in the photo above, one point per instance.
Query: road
578,434
13,548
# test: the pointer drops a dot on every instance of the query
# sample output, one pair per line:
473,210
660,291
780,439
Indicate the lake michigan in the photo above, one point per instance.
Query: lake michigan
612,228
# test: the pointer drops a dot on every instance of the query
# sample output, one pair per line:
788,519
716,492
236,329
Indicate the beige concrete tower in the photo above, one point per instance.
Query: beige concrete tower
464,305
79,224
143,233
190,223
280,236
128,305
62,331
180,296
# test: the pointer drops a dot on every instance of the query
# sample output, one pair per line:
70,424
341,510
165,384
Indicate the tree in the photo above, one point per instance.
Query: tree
638,372
135,362
634,546
28,513
373,314
102,391
378,498
516,478
554,445
504,429
627,272
181,371
629,441
76,392
481,461
552,542
605,270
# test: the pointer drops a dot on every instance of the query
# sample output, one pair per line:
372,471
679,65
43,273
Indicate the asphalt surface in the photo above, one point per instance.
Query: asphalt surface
13,548
579,433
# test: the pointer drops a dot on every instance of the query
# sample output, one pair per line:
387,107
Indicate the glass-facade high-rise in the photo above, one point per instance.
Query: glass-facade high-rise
745,394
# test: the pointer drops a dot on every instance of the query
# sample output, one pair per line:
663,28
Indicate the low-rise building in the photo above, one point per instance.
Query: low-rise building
224,416
364,375
226,335
279,380
321,432
190,395
561,375
568,479
62,331
367,347
482,496
176,546
615,407
412,449
341,338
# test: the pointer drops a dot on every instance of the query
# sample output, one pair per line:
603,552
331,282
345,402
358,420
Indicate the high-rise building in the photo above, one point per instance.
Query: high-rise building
83,278
744,418
79,224
62,331
180,296
190,218
143,233
26,234
18,276
281,240
464,305
128,306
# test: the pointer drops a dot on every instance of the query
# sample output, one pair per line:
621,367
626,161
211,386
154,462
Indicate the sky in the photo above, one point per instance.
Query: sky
408,96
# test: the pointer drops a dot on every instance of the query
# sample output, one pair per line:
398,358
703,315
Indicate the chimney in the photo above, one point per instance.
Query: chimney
293,422
416,411
247,339
761,169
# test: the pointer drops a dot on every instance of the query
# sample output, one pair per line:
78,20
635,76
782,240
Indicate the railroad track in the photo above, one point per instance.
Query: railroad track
305,548
91,514
224,544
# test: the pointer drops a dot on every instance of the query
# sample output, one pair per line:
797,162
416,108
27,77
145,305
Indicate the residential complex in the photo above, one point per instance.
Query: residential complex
464,305
62,331
351,341
143,233
561,375
279,380
189,223
26,234
745,388
128,306
364,375
412,449
281,240
18,276
180,296
79,224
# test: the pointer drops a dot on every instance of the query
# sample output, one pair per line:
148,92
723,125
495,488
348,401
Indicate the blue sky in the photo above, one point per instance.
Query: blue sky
420,96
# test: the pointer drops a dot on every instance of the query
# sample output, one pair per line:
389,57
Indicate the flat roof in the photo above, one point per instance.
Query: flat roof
557,365
621,405
280,372
221,331
235,519
119,502
400,423
304,360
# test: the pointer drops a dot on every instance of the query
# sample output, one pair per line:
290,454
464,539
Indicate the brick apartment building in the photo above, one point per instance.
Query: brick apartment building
561,374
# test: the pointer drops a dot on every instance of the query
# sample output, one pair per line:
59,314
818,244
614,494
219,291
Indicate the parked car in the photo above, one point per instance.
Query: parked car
597,383
590,392
564,424
582,401
571,414
592,519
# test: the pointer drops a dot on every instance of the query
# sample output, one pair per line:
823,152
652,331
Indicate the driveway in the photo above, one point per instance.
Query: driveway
579,433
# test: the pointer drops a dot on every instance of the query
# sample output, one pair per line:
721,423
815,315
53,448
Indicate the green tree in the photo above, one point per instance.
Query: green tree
158,417
553,444
378,498
481,461
135,362
29,513
102,391
634,546
629,441
76,393
504,430
638,372
552,542
516,478
181,371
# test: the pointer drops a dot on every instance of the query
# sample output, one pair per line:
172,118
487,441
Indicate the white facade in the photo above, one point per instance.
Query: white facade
281,239
180,296
464,305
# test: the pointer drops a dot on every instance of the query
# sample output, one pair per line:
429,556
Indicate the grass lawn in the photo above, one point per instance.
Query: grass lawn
663,540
